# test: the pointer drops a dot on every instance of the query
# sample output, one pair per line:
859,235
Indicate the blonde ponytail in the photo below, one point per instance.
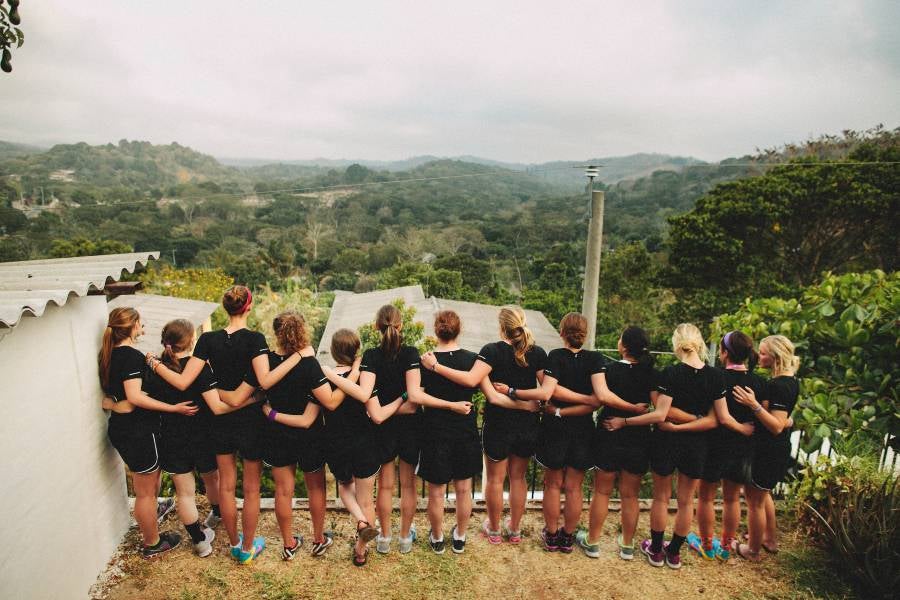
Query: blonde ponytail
686,339
512,325
388,321
782,350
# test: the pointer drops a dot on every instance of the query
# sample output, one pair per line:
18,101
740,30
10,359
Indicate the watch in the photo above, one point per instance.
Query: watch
557,412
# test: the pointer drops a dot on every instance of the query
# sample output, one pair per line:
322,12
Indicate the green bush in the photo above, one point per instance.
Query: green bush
847,332
853,509
413,332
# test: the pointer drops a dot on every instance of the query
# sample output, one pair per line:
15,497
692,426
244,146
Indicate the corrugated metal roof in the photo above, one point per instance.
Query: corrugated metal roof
156,311
479,321
28,286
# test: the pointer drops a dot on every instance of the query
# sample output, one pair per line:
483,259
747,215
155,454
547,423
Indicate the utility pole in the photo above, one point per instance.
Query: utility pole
592,257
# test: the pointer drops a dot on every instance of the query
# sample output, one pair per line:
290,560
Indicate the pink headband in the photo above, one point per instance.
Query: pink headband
249,300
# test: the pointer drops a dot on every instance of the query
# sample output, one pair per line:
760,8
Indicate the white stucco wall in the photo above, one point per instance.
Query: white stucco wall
63,506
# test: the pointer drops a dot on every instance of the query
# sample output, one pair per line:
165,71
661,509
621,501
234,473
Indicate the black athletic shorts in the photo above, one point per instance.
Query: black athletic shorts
183,451
565,442
451,456
626,449
284,446
352,457
239,436
398,436
499,440
685,452
770,464
727,461
138,448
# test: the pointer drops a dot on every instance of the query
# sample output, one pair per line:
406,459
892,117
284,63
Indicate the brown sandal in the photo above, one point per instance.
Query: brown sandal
366,533
360,561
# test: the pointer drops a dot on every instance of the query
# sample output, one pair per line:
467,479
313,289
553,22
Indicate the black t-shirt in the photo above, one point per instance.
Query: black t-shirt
438,420
782,395
390,374
741,413
349,419
127,362
293,393
504,369
157,388
632,382
230,354
692,390
573,370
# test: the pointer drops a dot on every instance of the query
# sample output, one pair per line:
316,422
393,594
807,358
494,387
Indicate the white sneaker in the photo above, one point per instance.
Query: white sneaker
203,548
382,544
406,544
212,521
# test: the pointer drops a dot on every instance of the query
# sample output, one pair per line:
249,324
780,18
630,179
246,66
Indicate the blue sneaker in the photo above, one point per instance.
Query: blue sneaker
236,550
245,558
695,544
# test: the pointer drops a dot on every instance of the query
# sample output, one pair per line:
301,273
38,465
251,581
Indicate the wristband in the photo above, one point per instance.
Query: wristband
272,414
511,392
557,413
405,396
758,408
698,417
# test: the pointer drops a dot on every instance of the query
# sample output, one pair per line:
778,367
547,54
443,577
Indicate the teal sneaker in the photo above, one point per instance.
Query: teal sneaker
723,553
590,550
695,544
236,550
625,552
245,558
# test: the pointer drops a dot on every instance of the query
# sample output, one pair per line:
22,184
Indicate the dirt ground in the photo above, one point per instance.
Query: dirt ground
484,571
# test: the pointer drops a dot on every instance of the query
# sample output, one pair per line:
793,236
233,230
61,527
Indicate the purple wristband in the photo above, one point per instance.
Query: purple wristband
272,414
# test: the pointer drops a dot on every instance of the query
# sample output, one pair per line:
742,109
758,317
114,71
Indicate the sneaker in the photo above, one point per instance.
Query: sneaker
167,541
566,541
236,550
203,548
696,544
164,507
319,548
656,559
246,557
458,546
212,520
288,553
590,550
625,552
723,552
406,544
493,537
551,540
673,561
436,546
382,544
513,537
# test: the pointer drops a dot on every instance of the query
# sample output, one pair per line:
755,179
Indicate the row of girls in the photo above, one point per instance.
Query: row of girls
371,411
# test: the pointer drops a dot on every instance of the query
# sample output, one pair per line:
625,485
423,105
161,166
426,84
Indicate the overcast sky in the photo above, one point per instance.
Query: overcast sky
520,81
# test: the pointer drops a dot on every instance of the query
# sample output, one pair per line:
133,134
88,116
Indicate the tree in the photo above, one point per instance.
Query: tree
9,33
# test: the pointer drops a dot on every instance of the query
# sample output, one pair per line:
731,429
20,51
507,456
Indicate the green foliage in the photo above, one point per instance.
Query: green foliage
267,303
10,33
86,247
195,284
853,509
781,230
412,331
847,333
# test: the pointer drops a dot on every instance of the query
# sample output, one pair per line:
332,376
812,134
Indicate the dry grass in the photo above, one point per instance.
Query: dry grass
483,571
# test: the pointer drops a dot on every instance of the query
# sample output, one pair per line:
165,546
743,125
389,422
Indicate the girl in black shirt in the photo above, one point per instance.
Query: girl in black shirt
772,443
730,449
453,451
296,439
134,422
394,368
510,428
232,352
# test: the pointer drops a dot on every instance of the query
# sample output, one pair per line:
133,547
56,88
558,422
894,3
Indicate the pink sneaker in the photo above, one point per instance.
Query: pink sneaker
493,537
673,561
656,559
513,537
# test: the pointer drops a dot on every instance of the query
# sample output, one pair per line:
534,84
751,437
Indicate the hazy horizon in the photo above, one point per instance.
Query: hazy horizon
511,82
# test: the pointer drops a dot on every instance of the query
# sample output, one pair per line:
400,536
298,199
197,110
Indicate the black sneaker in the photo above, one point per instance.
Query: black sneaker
436,547
288,553
565,541
319,548
459,546
167,541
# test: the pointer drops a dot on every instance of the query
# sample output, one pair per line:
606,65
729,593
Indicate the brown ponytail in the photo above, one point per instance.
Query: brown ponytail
446,325
236,300
176,337
118,327
738,347
512,324
573,329
290,331
388,321
344,346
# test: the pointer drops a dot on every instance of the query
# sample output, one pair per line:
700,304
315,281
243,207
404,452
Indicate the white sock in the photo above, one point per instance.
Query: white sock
440,539
456,537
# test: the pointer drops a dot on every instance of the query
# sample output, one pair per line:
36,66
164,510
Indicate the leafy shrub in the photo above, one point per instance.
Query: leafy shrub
853,509
847,332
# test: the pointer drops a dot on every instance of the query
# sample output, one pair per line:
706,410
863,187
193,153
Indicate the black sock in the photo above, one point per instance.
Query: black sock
196,532
675,545
656,540
215,510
